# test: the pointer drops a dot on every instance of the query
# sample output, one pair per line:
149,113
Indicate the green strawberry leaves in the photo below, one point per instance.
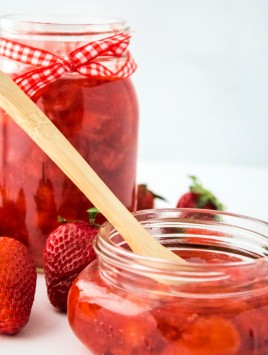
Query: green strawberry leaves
205,196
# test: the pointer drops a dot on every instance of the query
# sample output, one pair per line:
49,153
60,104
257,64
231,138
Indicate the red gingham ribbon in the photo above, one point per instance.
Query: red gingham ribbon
83,60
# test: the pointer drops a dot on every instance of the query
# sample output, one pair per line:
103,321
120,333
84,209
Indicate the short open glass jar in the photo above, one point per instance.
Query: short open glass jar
216,304
97,114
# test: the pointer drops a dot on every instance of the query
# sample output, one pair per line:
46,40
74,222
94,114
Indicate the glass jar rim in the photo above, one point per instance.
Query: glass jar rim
49,24
247,233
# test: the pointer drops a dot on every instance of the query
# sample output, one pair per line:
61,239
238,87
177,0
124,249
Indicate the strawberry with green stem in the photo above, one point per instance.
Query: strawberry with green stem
146,198
68,250
199,197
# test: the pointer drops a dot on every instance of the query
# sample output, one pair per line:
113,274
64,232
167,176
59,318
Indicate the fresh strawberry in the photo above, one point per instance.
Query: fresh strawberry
67,252
17,285
199,197
146,198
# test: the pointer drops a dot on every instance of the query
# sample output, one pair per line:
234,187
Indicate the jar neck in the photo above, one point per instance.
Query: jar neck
43,28
59,35
227,255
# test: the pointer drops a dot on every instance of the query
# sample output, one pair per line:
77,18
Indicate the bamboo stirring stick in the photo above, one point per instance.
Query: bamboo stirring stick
42,131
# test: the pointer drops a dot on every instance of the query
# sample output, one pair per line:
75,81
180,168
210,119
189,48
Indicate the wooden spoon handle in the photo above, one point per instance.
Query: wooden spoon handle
42,131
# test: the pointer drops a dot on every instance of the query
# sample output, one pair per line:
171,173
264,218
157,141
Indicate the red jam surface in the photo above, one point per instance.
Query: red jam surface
100,119
110,321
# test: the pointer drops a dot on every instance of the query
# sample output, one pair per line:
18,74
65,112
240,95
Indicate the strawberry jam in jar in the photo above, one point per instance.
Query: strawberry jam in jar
78,72
216,304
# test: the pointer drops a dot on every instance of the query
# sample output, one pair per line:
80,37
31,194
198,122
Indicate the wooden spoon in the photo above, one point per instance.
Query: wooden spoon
42,131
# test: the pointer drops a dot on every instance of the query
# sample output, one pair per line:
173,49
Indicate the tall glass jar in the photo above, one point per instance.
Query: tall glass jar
216,304
98,114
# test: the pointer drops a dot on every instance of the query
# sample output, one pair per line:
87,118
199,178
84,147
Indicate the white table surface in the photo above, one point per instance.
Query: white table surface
242,189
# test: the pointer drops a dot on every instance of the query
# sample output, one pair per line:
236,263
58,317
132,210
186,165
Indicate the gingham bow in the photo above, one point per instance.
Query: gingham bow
82,60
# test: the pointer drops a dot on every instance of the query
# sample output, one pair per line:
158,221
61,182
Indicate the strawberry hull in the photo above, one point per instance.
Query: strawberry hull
215,305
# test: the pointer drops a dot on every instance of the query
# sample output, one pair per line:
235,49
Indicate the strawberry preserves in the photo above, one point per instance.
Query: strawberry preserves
99,116
217,304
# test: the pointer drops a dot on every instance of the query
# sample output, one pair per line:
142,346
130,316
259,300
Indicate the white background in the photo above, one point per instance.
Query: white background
202,80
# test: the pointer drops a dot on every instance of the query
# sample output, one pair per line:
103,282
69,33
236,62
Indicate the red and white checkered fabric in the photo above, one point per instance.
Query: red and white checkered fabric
83,60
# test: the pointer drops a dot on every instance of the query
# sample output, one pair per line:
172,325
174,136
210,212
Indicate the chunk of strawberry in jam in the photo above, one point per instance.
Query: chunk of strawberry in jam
172,320
63,103
46,210
212,335
252,325
12,216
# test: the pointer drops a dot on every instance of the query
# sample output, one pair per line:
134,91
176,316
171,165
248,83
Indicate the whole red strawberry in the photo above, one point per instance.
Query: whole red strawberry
17,285
146,198
199,197
68,251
